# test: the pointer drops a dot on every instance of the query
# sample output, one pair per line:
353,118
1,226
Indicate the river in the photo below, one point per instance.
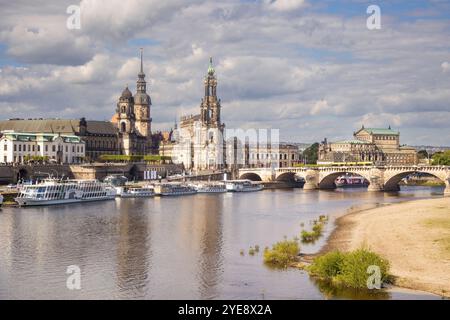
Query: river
175,247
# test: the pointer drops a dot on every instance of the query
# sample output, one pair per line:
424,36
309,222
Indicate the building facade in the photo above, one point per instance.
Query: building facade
199,138
375,145
284,155
132,118
16,147
128,133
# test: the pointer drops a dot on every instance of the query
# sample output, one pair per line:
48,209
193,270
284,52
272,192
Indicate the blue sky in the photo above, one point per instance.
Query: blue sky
309,68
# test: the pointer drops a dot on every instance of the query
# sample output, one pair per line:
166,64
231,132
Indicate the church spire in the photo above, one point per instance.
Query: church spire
210,68
141,84
141,71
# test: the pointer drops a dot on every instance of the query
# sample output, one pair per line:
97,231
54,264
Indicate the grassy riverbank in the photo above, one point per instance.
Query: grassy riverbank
413,236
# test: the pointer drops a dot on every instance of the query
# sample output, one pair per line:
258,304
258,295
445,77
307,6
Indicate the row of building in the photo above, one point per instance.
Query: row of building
197,142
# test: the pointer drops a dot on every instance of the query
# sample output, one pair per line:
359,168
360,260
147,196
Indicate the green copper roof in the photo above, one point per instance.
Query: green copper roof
210,68
381,131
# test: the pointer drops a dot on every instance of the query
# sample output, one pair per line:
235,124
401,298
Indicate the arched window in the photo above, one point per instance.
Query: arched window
123,127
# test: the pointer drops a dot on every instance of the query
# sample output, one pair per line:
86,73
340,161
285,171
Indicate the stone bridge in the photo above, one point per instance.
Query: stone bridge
381,178
14,173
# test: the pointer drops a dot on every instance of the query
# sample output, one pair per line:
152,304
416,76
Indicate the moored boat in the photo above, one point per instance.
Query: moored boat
128,192
349,181
173,189
51,192
209,187
242,186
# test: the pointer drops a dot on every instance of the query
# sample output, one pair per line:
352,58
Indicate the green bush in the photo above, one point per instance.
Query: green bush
327,266
349,269
308,237
282,253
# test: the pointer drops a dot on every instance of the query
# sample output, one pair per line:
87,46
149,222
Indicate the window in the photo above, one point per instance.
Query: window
33,147
38,148
53,148
5,147
15,148
67,149
46,148
20,147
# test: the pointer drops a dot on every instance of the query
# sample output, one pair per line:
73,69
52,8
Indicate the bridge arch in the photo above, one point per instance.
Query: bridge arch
328,181
251,176
392,184
287,176
22,174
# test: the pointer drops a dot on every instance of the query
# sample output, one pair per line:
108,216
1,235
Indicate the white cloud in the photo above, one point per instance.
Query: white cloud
312,75
285,5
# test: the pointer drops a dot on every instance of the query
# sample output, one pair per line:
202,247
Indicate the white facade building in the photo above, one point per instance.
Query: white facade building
199,140
19,147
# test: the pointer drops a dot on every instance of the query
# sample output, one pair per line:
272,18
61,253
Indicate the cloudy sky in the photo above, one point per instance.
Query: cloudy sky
310,68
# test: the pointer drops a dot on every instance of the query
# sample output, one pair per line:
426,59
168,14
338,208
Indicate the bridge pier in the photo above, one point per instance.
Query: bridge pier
376,181
311,180
447,187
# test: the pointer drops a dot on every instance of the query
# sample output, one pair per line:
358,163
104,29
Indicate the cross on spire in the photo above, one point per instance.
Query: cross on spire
142,63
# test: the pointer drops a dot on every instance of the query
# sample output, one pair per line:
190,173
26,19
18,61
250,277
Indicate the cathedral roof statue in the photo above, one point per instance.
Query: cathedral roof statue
211,68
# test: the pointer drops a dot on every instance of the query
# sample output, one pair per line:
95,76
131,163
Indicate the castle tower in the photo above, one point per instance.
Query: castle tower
210,106
142,103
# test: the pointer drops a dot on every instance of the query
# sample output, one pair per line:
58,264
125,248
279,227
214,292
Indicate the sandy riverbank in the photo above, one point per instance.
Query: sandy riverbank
414,236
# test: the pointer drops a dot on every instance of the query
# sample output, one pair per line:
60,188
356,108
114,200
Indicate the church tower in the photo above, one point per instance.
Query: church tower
125,116
142,103
210,106
125,121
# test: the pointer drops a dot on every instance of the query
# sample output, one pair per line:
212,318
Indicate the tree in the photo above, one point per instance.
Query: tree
442,158
422,154
311,153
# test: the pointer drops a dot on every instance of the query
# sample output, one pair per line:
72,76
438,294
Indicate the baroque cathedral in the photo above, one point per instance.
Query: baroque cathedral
132,119
199,139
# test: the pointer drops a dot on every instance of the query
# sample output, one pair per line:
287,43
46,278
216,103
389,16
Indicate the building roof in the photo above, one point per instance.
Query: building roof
384,131
62,126
352,141
27,137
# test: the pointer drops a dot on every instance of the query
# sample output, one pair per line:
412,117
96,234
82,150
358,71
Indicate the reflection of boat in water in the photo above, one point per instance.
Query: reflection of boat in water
173,189
242,186
209,187
349,181
52,191
128,192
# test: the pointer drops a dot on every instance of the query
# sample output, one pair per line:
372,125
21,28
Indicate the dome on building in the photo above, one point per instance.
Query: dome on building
126,93
142,98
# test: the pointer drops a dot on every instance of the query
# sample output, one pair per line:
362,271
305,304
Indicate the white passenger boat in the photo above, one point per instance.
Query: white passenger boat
51,192
128,192
209,187
242,186
173,189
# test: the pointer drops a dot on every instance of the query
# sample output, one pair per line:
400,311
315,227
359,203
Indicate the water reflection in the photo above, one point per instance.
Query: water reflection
179,248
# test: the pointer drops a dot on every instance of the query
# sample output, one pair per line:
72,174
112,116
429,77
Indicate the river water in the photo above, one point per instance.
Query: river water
175,247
